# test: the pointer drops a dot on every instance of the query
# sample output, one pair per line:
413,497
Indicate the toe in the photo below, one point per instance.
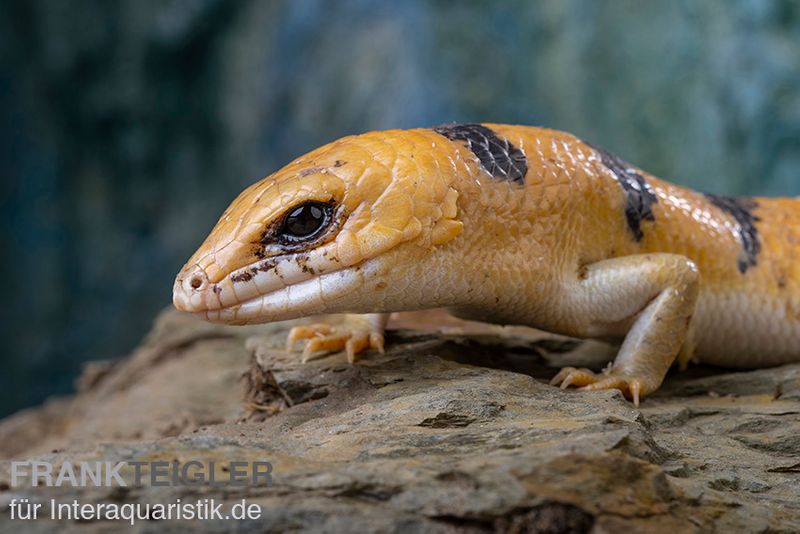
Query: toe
570,376
635,389
357,344
328,343
376,341
305,332
561,375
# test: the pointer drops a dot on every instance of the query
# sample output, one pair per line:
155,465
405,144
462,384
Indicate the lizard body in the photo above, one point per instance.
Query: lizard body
512,225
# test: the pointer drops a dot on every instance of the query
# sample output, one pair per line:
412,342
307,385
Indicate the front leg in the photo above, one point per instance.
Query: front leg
649,296
356,334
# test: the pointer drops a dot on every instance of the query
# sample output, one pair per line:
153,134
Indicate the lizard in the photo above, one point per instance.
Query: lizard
509,225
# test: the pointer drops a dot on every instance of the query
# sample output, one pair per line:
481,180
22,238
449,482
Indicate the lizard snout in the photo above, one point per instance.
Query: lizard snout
189,289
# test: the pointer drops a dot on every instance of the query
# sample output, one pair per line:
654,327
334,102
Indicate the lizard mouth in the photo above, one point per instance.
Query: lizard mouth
251,296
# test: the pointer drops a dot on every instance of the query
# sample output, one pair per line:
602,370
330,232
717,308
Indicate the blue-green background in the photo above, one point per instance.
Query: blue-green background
128,125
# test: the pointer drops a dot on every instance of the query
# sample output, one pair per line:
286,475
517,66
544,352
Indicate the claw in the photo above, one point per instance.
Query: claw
635,388
355,345
305,332
571,376
561,375
376,341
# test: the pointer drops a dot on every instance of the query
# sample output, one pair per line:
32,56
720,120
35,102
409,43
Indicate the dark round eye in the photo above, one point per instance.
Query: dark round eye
304,222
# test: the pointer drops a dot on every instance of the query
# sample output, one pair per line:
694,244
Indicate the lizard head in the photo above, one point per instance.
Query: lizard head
323,234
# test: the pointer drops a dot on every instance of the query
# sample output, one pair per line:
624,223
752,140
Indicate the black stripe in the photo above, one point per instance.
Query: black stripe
741,209
498,157
641,197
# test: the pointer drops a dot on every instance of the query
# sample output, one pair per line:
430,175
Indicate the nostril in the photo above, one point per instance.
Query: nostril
196,282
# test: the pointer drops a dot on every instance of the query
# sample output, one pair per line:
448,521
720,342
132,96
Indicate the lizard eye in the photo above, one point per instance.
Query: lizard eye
304,222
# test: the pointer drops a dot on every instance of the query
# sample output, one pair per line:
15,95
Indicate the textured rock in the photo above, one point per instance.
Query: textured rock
450,430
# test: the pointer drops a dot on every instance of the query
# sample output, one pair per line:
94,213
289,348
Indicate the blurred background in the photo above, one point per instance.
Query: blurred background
129,125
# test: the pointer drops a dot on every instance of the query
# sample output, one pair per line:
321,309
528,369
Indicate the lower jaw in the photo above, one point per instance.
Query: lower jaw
310,297
229,317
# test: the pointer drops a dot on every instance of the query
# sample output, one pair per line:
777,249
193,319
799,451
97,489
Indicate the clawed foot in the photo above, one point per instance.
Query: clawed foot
586,379
323,337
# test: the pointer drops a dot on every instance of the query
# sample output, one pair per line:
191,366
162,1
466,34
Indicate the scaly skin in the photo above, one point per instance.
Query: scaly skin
514,225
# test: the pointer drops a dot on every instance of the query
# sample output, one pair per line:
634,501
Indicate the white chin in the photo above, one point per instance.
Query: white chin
310,297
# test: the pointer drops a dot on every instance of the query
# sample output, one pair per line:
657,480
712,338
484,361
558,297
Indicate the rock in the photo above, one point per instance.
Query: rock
454,429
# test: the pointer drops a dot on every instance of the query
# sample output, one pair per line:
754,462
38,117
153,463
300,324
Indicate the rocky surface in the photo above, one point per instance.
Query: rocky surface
452,430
